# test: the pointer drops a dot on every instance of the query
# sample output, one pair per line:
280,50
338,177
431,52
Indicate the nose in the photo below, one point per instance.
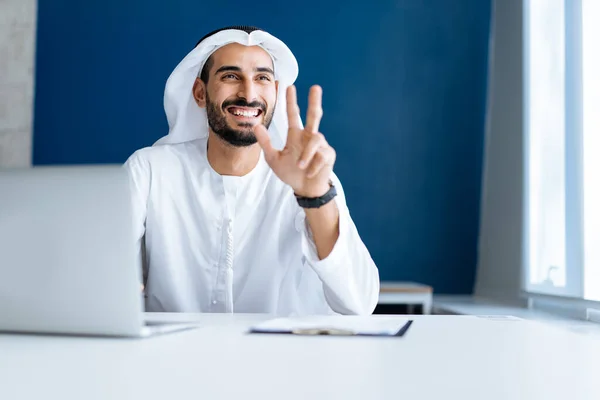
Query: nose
247,90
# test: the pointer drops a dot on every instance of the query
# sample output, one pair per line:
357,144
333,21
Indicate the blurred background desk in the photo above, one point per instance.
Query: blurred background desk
404,298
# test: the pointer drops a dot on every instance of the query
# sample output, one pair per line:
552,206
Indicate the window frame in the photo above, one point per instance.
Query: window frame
573,129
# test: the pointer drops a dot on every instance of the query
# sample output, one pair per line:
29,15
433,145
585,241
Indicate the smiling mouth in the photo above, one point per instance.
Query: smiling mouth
244,112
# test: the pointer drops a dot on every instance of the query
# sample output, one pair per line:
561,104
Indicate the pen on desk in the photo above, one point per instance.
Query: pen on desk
322,331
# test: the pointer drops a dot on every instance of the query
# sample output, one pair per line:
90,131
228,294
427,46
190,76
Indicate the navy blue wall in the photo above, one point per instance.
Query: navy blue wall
404,90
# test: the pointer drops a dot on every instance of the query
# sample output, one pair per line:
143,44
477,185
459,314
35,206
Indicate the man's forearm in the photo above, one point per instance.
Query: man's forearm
324,225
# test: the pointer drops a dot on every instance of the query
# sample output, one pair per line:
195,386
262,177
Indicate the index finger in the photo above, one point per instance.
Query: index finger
293,111
262,136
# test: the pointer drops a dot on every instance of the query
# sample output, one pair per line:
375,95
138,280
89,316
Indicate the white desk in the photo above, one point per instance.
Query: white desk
441,357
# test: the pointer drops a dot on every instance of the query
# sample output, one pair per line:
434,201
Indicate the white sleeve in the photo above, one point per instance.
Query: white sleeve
138,168
349,274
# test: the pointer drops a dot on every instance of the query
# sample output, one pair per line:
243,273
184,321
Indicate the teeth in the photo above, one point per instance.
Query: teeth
245,113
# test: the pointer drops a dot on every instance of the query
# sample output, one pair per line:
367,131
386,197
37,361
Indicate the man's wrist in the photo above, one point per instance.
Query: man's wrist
318,191
317,201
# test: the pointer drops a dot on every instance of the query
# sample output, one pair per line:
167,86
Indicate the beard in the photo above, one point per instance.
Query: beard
243,134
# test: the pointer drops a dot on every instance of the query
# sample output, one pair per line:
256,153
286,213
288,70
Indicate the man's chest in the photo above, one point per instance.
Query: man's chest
224,213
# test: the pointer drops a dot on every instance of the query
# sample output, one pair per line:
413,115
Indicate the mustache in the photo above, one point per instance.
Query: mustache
243,103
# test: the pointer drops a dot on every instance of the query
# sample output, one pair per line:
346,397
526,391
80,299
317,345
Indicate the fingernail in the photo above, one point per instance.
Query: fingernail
302,164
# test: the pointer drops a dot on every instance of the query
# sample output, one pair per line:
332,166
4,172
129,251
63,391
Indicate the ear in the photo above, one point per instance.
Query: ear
199,93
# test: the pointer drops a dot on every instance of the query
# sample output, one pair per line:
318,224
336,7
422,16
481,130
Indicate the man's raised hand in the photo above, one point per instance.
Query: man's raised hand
306,161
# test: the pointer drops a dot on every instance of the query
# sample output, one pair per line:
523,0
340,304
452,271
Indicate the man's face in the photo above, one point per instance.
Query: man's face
241,92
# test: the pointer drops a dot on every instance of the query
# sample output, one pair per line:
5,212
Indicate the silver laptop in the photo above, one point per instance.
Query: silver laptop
68,260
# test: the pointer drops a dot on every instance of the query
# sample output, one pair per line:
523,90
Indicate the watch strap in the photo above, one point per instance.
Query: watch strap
316,202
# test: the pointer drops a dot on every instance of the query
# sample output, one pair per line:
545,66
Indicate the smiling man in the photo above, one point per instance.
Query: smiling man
237,209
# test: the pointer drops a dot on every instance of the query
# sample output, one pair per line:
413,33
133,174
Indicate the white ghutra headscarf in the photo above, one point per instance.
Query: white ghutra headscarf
187,121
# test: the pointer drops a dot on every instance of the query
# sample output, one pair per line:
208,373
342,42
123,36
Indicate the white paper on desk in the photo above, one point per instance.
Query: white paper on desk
353,324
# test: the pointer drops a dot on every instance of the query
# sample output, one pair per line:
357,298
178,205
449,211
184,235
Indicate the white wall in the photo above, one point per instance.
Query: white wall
500,239
17,57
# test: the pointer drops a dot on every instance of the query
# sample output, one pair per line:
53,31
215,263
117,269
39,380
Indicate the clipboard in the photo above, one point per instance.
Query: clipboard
373,326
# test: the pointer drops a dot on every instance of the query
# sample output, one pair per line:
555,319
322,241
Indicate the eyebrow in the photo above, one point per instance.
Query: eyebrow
238,69
265,69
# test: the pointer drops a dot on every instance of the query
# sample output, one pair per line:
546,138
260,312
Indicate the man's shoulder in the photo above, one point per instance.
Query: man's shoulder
147,154
164,153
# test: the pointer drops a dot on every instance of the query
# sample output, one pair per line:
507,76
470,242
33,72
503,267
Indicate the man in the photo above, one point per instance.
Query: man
237,209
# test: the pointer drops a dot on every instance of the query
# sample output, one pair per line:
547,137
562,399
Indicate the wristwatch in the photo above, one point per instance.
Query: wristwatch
316,202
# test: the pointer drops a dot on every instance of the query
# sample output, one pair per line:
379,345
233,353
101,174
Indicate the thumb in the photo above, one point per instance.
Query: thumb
262,135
